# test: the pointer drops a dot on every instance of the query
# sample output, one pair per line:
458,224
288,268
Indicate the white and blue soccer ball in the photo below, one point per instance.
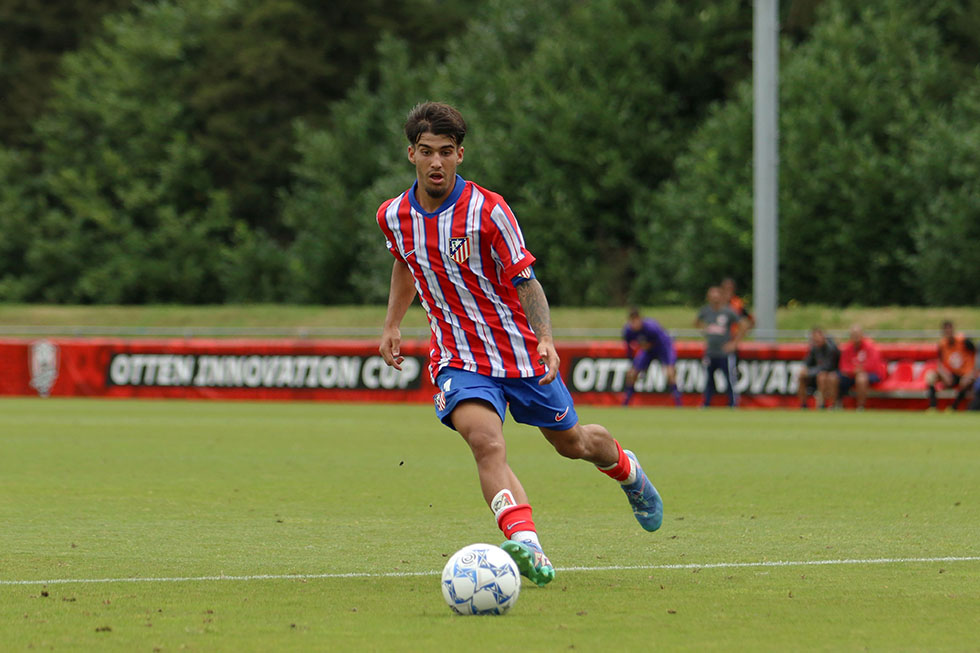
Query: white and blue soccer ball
480,579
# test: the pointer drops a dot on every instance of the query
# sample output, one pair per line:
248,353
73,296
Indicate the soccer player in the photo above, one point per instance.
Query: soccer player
957,357
460,248
647,341
722,329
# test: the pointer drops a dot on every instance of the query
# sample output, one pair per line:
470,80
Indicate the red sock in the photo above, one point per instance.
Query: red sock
515,518
621,470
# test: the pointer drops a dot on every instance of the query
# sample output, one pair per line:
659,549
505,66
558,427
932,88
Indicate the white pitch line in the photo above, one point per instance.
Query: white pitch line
403,574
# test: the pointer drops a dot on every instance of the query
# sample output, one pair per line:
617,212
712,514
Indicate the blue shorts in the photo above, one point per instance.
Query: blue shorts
546,406
643,358
847,382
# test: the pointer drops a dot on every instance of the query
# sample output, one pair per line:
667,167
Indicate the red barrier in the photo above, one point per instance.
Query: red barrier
351,370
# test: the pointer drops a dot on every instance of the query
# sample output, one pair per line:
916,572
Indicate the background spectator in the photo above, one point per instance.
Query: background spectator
957,357
736,303
717,319
861,366
821,363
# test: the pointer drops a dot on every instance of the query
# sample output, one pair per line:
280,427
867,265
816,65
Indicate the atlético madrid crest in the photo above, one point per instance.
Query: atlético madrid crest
459,249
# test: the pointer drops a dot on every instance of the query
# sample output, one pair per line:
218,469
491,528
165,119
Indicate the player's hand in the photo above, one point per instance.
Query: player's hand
729,347
390,349
546,349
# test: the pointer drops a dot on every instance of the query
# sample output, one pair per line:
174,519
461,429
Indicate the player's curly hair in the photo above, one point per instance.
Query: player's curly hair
436,118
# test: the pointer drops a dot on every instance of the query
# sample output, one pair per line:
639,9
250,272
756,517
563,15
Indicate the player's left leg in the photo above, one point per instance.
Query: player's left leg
730,376
668,358
825,388
963,386
631,376
861,383
593,443
551,409
641,362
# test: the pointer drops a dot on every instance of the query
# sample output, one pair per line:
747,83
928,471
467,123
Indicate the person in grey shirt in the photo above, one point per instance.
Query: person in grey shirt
722,329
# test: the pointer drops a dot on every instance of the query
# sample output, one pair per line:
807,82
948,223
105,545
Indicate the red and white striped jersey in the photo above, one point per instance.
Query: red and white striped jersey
463,258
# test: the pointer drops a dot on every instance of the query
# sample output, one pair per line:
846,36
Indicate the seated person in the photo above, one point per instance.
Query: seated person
861,366
647,341
975,403
821,364
957,357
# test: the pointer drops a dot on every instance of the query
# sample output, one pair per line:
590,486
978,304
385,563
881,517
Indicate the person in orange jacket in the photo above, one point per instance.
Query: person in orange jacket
955,370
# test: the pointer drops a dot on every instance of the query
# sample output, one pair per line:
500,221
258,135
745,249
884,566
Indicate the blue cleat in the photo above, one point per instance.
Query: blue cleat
531,561
648,508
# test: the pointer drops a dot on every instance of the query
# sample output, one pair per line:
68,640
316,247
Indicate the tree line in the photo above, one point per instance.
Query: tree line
199,152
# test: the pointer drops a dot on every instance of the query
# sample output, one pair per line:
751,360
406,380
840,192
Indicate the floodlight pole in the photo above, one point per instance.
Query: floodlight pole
765,64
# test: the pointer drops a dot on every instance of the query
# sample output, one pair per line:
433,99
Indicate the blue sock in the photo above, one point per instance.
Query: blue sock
629,394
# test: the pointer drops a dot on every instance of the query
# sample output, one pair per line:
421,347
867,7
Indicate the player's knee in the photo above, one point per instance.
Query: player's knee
571,443
570,446
485,445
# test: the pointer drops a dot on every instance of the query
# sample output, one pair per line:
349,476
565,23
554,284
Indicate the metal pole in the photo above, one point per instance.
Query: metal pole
765,50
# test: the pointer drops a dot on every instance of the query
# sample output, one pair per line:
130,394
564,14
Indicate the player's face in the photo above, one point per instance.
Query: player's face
435,159
727,290
714,296
818,338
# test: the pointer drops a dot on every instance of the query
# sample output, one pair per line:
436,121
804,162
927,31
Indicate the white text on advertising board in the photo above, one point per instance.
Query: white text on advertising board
237,371
754,377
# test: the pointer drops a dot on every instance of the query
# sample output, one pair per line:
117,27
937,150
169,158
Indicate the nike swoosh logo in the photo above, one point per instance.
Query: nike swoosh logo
409,253
560,416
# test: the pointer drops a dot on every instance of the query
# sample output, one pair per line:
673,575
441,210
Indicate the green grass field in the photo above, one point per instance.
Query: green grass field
216,526
18,319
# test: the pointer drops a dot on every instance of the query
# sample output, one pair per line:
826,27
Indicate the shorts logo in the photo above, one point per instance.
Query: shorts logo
440,400
525,273
459,249
560,416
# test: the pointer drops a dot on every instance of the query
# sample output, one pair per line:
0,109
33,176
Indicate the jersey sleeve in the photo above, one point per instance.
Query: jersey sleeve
508,242
382,219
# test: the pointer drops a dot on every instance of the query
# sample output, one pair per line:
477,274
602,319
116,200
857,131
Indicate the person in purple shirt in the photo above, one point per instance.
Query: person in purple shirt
647,341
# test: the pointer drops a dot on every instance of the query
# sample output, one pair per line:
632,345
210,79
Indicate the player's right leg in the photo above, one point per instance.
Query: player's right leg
708,364
803,388
480,426
931,378
474,406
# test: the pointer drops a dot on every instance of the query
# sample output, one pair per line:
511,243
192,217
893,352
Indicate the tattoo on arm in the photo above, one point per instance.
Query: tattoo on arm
535,305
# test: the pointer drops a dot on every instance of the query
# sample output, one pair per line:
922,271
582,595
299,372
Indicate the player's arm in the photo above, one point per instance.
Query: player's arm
400,297
699,322
535,304
741,326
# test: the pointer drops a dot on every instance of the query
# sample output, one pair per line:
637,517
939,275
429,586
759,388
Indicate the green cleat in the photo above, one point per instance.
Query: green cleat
531,561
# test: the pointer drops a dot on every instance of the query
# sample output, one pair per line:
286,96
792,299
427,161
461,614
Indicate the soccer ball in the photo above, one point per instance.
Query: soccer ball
480,579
